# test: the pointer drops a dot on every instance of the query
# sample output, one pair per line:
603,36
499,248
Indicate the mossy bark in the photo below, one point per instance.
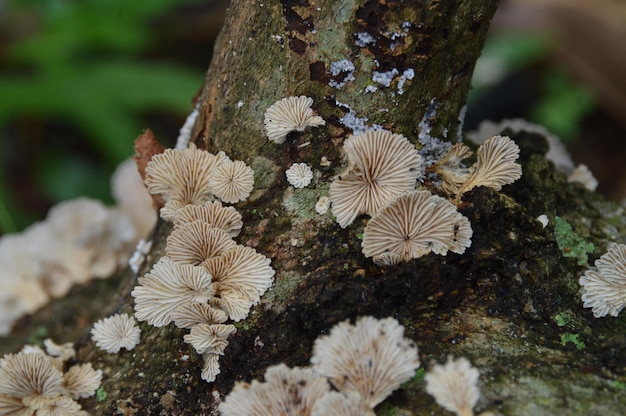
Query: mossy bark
510,303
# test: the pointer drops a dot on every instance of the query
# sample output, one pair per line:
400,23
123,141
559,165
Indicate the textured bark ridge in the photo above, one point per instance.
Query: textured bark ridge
510,303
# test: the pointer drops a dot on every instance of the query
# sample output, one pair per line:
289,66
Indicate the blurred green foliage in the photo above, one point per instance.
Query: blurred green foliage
80,65
562,103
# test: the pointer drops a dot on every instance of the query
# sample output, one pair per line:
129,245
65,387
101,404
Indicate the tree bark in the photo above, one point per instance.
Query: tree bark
510,303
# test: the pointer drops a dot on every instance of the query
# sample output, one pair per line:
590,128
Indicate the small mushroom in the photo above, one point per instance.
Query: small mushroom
414,225
116,332
382,166
290,114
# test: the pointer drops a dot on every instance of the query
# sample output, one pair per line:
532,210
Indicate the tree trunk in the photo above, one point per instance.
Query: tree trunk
510,303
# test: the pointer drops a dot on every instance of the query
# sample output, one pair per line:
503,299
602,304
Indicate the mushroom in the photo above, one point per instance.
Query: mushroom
371,358
116,332
210,338
413,225
451,169
454,385
189,315
56,406
299,175
197,241
106,234
290,114
241,276
495,166
166,287
232,181
212,213
322,205
286,391
29,377
181,177
211,367
81,380
341,404
382,165
604,290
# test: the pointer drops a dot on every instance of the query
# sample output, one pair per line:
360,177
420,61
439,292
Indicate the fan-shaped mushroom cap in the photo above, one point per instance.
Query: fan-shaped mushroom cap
241,276
197,241
371,358
286,391
211,367
56,406
495,165
189,315
182,175
451,170
383,165
454,385
212,213
322,205
605,290
341,404
299,175
116,332
415,224
232,181
13,406
612,264
29,376
167,287
210,338
290,114
81,380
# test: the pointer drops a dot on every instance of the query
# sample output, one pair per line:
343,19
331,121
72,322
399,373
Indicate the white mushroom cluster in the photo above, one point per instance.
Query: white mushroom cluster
204,279
193,176
604,289
79,240
33,381
365,362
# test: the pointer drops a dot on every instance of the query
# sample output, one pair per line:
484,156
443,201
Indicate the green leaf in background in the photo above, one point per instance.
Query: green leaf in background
103,99
76,63
71,30
563,105
505,53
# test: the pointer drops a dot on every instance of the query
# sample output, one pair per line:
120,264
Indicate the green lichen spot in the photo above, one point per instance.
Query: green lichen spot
387,409
101,394
417,379
570,243
573,338
564,319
